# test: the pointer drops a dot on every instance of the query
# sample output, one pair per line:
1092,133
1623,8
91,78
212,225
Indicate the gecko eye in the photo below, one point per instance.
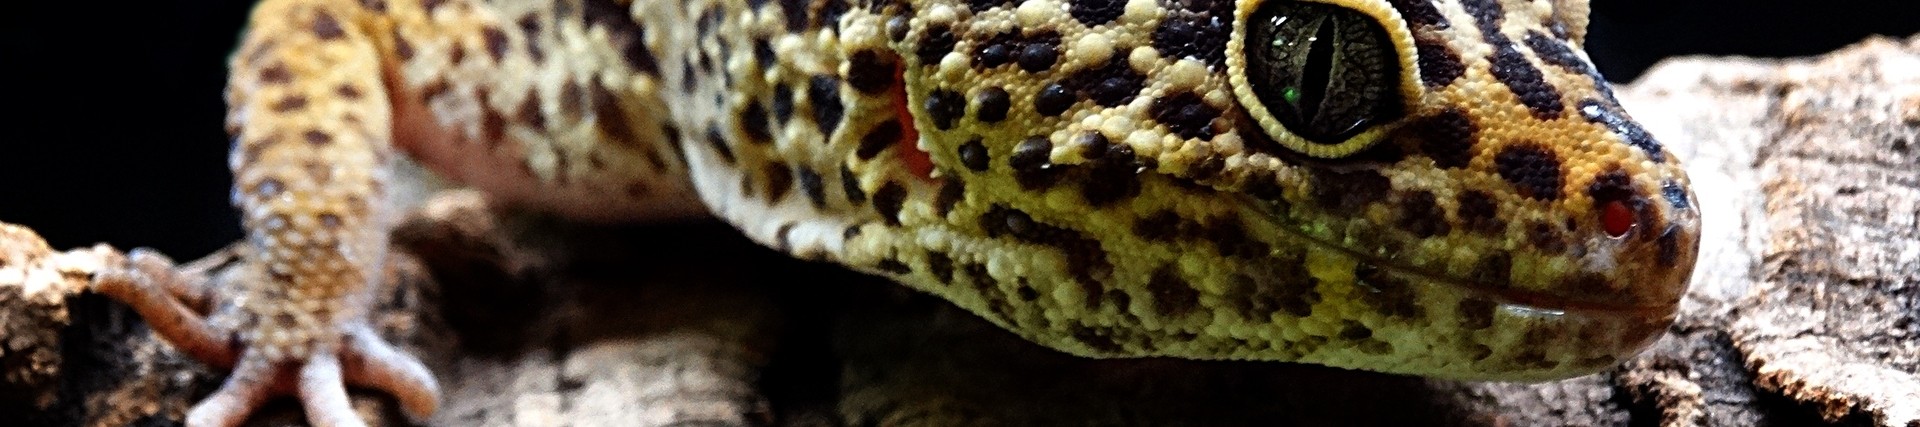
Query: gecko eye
1325,73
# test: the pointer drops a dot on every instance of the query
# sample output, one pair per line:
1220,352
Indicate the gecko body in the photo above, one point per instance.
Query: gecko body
1444,188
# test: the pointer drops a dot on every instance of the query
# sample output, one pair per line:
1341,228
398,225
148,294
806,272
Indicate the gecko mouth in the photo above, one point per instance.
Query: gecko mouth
1630,302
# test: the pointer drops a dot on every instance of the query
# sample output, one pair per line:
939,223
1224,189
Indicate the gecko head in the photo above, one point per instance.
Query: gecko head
1437,188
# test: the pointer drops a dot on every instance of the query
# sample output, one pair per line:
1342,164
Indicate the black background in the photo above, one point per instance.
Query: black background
113,130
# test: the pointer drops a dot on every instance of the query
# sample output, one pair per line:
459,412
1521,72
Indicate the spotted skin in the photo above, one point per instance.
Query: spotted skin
1089,174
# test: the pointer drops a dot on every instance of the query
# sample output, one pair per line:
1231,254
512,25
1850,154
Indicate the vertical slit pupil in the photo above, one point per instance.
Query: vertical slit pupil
1319,72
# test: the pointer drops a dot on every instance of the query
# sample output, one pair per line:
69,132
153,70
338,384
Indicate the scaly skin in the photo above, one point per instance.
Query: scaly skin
1098,176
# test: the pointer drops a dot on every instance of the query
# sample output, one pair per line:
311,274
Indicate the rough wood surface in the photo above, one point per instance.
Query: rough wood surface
1802,311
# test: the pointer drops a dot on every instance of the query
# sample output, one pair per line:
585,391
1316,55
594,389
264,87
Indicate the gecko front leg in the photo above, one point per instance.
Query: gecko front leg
313,135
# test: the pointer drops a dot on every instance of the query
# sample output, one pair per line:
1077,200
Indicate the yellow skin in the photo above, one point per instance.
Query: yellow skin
1098,176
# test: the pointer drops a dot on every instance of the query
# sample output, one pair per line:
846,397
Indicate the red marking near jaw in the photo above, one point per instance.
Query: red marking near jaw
908,148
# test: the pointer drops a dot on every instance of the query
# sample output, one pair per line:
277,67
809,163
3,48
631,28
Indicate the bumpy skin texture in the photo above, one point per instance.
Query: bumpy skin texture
1089,174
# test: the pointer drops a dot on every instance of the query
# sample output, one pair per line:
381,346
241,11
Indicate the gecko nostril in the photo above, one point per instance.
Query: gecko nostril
1617,219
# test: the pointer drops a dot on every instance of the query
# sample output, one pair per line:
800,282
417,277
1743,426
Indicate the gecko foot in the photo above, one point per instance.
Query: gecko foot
174,302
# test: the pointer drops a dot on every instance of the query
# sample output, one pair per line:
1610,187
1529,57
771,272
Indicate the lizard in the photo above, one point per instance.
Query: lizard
1444,188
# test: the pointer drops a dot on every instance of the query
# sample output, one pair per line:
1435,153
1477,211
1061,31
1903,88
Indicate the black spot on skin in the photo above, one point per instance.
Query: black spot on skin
493,128
974,155
936,43
673,141
753,122
1545,238
1676,195
1195,29
1420,13
1109,85
1349,191
1097,340
763,53
1526,82
850,184
811,184
326,27
571,96
1495,270
945,107
1093,145
1478,212
1054,99
1113,177
1553,52
978,6
623,32
1230,238
941,266
688,79
783,239
888,200
1447,138
528,113
1172,296
830,13
991,105
530,28
316,137
1391,295
1667,247
782,103
1186,114
1086,261
1614,185
1421,215
952,191
1635,135
1264,187
496,42
374,5
992,55
275,74
719,144
893,266
824,91
1039,53
1163,226
795,13
1274,289
1475,313
1532,169
612,121
290,103
1096,12
997,50
884,135
1032,163
779,181
870,71
401,48
1439,65
1487,14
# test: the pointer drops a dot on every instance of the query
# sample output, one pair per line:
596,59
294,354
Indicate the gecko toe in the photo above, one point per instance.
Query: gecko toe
323,393
370,361
254,380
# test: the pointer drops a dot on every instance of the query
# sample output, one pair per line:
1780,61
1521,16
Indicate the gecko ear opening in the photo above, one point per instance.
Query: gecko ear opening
1317,76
